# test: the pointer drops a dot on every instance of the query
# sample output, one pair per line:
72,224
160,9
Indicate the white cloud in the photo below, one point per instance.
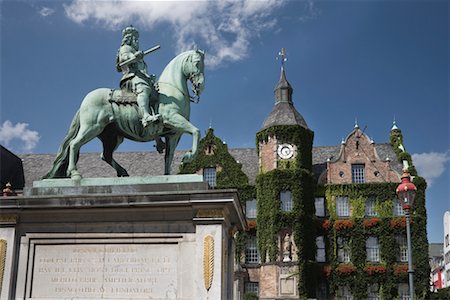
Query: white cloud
28,138
46,11
224,28
430,165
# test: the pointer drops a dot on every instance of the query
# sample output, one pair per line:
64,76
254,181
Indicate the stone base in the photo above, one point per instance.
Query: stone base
117,185
167,243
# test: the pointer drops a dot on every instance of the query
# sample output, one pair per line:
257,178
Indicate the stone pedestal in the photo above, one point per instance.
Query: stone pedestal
85,240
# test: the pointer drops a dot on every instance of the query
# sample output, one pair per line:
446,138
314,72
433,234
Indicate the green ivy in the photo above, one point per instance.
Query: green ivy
292,134
214,153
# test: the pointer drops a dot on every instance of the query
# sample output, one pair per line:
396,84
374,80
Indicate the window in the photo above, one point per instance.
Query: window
343,250
251,287
250,209
320,254
322,291
370,207
209,175
398,209
251,251
342,207
319,204
372,292
286,201
344,293
446,241
358,173
403,291
402,254
373,249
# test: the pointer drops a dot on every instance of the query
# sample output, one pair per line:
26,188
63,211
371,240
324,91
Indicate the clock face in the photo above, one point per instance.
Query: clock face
285,151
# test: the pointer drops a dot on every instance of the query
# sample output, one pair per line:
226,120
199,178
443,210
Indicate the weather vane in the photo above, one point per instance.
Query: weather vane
282,56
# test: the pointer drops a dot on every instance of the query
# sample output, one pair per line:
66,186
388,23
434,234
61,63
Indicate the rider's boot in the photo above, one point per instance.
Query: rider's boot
143,102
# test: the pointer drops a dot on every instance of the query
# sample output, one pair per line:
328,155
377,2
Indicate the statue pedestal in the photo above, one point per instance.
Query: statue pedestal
156,240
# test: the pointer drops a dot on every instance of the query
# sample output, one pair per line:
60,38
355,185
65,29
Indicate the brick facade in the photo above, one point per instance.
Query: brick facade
359,149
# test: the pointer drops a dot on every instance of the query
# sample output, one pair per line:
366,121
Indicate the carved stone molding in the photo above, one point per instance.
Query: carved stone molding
208,260
8,219
210,213
2,260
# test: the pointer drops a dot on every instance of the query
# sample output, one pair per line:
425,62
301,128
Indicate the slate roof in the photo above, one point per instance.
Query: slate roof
284,113
152,163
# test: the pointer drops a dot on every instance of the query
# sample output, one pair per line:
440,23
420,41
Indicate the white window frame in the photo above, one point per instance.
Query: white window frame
373,292
370,207
251,287
398,209
342,207
344,255
358,173
251,209
210,176
373,249
319,205
403,291
344,293
321,255
402,255
287,203
251,251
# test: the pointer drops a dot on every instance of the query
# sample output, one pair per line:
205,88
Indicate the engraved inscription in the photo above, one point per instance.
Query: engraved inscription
105,271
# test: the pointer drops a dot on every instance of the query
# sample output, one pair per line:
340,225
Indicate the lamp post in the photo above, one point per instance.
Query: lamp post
406,191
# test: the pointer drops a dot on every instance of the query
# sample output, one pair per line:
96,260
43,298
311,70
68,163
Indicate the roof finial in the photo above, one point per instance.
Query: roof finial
356,123
394,125
210,123
282,56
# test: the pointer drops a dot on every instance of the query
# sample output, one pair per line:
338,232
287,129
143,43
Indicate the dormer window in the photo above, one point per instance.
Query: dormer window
209,175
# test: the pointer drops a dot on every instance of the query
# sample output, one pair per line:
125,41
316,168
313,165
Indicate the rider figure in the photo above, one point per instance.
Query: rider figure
135,76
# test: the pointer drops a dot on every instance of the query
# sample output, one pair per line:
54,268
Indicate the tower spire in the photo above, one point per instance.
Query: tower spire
283,90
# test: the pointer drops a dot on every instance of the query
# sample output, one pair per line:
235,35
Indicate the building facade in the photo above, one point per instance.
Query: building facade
324,222
437,265
446,282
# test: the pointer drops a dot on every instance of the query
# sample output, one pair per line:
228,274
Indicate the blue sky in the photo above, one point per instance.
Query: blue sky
367,60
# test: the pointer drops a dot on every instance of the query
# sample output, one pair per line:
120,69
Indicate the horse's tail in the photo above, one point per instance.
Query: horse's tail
61,162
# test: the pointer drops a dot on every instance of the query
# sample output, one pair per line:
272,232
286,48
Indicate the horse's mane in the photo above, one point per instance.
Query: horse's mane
179,59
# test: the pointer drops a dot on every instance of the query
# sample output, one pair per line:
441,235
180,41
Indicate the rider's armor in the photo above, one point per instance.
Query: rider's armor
136,79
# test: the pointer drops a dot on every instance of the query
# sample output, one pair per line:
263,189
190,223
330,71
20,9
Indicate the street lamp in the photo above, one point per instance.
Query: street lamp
406,191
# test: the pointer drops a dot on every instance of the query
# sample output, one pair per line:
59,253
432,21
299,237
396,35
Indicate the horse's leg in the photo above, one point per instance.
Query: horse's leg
180,124
110,143
85,134
171,145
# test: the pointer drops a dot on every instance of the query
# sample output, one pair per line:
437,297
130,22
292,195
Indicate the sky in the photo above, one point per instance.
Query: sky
367,61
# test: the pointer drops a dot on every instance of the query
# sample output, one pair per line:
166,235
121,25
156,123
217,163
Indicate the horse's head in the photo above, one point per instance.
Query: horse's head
193,69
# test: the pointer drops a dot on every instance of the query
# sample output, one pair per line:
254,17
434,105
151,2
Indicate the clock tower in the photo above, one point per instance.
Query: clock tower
285,197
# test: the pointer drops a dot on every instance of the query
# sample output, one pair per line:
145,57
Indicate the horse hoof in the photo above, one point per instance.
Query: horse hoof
75,175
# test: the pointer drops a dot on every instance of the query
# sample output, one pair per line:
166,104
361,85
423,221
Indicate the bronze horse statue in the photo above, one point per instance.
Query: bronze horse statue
100,116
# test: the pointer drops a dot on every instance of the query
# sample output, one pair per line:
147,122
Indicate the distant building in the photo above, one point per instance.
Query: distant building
11,170
447,248
437,265
324,222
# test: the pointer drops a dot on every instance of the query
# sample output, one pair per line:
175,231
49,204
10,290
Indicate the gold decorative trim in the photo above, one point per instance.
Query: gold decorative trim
208,261
8,219
2,261
210,213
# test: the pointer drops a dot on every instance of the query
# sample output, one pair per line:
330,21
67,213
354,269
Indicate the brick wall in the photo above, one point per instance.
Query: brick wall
358,149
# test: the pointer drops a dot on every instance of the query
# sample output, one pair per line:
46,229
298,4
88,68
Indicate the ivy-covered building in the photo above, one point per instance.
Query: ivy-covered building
323,222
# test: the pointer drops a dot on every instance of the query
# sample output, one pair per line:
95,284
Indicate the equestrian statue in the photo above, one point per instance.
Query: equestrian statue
142,110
